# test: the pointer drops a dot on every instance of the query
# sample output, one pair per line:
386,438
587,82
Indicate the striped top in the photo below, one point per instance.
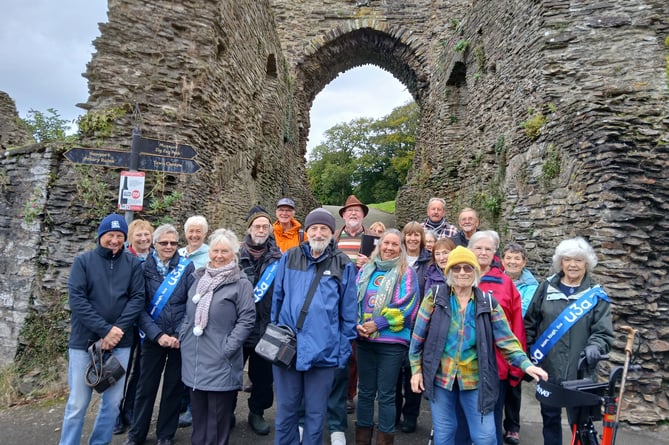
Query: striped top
350,245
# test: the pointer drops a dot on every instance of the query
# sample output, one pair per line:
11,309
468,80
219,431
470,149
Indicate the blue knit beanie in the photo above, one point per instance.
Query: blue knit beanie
113,223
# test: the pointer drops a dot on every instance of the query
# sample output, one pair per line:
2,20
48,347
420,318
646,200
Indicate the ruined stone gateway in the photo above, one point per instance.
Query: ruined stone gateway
549,116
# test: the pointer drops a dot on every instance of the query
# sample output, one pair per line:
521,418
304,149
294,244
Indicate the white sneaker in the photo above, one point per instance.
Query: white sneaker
301,430
338,438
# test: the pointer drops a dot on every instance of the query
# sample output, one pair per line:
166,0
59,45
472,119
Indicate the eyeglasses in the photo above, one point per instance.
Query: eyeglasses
466,268
168,243
262,227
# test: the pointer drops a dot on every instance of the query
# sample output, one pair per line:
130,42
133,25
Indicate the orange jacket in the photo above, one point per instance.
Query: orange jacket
291,237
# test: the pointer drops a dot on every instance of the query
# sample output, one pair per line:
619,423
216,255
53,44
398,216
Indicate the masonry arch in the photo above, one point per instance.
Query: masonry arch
353,44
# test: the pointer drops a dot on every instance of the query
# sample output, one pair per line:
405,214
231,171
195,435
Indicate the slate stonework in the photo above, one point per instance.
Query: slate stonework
237,80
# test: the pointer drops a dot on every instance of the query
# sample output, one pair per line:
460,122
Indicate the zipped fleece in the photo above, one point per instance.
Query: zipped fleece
105,290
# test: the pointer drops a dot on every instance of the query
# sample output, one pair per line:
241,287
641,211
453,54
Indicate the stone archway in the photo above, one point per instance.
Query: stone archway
352,44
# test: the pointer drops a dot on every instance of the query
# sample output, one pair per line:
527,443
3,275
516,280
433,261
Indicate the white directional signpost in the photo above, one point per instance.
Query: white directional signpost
144,154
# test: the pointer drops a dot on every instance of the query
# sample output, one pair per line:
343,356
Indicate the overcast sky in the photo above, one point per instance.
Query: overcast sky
46,44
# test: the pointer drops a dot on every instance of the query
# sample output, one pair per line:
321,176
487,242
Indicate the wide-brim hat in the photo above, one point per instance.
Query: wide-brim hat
461,255
353,201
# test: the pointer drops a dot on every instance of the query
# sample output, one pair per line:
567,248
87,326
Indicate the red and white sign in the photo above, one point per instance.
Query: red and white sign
131,191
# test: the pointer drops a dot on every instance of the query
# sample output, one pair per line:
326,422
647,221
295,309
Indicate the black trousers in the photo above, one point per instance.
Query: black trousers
262,380
212,411
407,402
512,408
552,428
132,377
157,361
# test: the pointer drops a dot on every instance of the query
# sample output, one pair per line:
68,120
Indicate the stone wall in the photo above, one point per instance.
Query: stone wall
23,180
550,117
597,168
588,78
210,75
11,133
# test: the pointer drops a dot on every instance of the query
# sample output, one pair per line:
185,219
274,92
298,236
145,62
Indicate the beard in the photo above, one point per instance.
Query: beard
319,245
259,240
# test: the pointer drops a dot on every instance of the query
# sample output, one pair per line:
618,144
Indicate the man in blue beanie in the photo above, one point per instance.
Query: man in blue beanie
106,295
319,269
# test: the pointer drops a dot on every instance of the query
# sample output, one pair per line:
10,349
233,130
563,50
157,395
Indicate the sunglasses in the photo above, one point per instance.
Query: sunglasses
466,268
167,243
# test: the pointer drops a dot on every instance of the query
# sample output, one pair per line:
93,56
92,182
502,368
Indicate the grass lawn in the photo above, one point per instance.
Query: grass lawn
388,206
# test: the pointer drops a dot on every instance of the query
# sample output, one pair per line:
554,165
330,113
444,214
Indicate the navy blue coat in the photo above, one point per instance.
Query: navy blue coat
105,290
171,317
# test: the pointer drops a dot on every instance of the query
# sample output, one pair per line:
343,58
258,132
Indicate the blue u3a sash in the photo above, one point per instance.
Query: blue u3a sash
265,282
567,318
166,289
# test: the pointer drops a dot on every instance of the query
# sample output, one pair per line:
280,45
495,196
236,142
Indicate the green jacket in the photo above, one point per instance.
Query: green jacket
594,328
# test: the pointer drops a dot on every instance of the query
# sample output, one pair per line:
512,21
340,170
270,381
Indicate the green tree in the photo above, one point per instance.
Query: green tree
331,165
46,127
368,157
383,165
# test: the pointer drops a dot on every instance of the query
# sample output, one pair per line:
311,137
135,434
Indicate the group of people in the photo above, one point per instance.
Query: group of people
433,311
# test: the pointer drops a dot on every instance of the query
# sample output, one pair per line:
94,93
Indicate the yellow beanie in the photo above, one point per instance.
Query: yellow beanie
461,255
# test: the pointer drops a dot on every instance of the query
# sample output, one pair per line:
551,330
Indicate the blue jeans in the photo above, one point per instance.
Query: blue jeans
445,424
378,368
80,397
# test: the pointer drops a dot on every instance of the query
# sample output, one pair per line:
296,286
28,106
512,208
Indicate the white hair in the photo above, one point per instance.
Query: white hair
484,234
162,230
439,200
197,220
225,236
574,248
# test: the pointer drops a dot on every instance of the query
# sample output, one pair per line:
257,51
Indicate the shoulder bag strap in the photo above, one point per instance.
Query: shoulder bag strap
320,268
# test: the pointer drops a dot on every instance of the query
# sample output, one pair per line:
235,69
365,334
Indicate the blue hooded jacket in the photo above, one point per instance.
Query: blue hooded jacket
330,325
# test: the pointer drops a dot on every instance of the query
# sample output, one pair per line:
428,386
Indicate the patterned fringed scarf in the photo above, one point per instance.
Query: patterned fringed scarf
387,286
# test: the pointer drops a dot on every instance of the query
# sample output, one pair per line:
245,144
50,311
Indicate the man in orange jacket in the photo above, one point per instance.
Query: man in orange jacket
288,231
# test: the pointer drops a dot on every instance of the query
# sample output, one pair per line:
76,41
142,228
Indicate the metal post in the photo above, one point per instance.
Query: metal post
134,164
134,151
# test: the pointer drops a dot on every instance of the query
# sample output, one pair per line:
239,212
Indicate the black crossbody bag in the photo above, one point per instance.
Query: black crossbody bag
278,344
